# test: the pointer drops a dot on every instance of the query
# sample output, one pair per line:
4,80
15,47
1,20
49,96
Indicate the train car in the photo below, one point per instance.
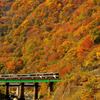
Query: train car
33,76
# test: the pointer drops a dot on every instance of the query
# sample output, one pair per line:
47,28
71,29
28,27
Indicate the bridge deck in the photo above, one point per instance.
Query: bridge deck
27,81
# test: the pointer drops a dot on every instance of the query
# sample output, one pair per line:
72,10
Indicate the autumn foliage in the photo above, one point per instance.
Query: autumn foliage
51,36
10,65
87,43
66,70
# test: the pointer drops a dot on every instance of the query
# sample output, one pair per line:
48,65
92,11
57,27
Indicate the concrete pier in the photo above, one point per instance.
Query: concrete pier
7,91
22,97
51,86
36,91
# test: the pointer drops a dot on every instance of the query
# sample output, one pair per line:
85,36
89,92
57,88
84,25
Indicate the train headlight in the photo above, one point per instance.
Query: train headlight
40,76
54,76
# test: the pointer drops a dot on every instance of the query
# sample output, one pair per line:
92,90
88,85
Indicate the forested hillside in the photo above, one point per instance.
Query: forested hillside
53,36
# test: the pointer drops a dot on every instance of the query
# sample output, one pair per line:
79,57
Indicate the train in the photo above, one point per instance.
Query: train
49,75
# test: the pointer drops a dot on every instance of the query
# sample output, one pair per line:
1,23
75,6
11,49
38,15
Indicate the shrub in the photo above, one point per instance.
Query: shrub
66,70
96,33
97,40
10,65
19,65
80,53
1,66
81,17
87,42
96,2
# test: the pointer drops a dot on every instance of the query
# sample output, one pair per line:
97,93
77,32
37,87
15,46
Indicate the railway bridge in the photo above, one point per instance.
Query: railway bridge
27,80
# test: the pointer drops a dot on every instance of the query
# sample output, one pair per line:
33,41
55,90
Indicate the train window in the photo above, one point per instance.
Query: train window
4,76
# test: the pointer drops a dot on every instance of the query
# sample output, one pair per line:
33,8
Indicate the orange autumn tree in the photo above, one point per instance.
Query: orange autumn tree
85,45
14,66
66,69
10,65
80,53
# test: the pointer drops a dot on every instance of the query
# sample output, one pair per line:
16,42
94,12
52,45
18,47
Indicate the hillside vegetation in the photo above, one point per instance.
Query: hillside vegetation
53,36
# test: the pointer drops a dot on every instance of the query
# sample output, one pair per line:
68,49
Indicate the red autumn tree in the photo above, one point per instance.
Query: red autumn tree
66,69
87,42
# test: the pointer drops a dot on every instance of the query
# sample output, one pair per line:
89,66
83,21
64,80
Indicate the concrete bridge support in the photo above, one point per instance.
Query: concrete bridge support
36,91
51,86
7,91
22,97
20,90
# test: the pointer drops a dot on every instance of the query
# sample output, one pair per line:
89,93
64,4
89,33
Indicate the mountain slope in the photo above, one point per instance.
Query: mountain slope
53,35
